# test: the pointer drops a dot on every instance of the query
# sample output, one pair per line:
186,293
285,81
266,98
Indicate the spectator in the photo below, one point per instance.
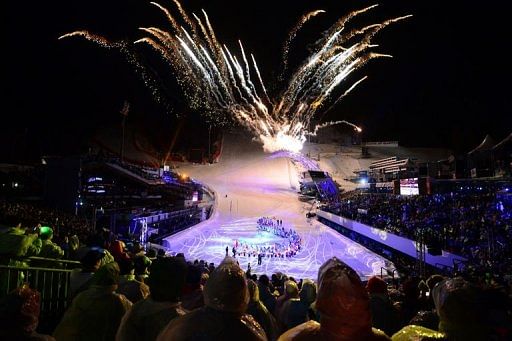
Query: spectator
118,250
96,313
90,258
460,313
49,249
15,244
133,289
260,313
223,316
343,305
192,297
307,297
411,302
291,290
148,317
293,311
384,314
266,293
19,316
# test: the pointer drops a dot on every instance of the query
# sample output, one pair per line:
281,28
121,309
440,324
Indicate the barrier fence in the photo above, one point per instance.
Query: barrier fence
52,283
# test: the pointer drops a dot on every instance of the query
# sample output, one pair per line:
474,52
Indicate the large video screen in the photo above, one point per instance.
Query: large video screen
409,186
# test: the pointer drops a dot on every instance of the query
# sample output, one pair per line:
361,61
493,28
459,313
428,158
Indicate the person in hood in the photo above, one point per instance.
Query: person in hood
148,317
129,286
80,278
343,305
118,250
95,314
19,316
192,296
384,315
260,313
291,290
294,311
460,314
49,249
223,317
267,296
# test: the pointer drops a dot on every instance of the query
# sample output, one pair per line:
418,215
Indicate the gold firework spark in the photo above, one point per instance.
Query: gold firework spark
221,81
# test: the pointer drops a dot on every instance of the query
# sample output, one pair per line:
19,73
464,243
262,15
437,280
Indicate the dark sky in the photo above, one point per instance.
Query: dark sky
447,85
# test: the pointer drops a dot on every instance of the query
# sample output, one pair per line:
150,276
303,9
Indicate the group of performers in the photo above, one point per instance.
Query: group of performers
290,246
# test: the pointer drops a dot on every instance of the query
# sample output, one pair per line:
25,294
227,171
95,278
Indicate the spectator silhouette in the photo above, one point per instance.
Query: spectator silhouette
192,296
266,293
343,305
148,317
80,278
260,313
95,314
461,314
223,316
129,286
384,314
19,316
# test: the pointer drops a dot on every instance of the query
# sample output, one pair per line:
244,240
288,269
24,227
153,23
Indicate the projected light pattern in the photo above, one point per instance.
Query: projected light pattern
229,87
319,244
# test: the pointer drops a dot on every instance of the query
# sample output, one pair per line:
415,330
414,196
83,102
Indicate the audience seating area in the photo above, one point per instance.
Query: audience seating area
97,286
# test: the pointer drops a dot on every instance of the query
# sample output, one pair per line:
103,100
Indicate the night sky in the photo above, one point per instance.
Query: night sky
446,85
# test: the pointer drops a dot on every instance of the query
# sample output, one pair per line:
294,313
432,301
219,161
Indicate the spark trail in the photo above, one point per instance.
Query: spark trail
227,84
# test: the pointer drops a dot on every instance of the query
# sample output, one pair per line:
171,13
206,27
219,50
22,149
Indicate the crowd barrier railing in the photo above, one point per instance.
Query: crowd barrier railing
53,285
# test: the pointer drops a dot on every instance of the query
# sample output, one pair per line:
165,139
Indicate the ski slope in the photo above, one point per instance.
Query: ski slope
250,184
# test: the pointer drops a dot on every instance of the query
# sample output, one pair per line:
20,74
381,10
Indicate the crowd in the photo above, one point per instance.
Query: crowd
64,225
475,225
180,300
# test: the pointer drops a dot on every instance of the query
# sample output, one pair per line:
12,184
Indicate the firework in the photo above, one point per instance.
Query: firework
225,84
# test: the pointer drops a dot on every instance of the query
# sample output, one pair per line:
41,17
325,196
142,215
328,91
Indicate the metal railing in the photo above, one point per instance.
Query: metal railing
53,263
53,284
388,271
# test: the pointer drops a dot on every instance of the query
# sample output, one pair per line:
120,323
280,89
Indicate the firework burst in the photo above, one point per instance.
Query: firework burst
227,84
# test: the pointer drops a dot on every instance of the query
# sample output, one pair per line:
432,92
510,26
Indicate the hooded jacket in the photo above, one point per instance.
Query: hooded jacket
343,305
223,316
260,313
96,313
460,314
146,320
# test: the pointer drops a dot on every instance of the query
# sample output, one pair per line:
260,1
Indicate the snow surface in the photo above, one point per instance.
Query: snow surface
250,184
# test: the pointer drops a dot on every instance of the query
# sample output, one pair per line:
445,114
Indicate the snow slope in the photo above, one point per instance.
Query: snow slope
250,184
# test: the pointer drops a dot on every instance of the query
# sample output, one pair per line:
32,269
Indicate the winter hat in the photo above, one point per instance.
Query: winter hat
226,289
376,285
